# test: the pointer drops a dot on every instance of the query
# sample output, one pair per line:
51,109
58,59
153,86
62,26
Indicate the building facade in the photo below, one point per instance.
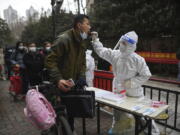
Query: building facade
32,13
10,15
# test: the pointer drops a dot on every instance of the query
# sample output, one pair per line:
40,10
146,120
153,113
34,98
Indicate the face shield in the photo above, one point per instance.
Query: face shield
128,40
127,45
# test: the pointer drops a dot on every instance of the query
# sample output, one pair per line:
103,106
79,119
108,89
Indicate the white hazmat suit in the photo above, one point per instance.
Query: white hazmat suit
90,66
130,69
130,72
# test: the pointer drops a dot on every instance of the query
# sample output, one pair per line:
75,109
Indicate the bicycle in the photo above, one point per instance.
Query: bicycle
62,126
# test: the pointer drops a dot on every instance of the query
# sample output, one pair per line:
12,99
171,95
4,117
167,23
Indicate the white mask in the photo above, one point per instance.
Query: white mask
48,48
127,49
131,49
84,35
21,47
32,49
122,48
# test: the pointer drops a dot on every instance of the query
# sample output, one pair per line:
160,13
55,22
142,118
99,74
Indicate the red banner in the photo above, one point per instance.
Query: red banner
158,57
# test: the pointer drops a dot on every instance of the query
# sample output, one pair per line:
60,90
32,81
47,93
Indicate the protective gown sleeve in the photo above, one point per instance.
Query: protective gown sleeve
103,52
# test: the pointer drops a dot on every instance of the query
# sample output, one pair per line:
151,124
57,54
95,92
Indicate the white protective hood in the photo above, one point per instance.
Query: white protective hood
130,39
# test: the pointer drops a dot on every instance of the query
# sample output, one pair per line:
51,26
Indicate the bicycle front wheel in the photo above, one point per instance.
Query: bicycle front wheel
64,127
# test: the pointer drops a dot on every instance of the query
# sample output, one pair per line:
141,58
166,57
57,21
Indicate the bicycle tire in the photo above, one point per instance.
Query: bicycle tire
55,130
63,123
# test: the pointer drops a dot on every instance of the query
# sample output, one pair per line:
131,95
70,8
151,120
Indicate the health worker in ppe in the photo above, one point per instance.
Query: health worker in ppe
90,66
130,69
130,72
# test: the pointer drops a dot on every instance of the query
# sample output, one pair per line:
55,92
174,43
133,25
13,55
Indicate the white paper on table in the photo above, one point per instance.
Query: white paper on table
137,107
109,96
100,94
148,111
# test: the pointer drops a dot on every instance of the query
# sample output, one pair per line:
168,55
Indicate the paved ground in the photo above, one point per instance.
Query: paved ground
13,122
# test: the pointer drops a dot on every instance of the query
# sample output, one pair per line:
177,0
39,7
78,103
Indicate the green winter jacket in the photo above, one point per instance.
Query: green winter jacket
67,58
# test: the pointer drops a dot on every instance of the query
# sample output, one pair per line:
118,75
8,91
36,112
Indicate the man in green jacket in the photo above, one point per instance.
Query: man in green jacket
67,59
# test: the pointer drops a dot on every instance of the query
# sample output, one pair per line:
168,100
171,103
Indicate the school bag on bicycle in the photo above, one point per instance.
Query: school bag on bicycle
38,110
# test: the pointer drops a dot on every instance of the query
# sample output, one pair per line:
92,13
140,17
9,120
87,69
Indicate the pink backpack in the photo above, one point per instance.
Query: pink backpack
38,110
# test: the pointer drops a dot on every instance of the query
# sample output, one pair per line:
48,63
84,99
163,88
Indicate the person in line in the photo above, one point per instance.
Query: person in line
17,62
47,48
7,57
67,59
2,69
130,72
34,62
90,66
18,54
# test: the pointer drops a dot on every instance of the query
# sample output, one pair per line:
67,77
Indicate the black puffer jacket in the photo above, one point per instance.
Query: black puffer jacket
34,62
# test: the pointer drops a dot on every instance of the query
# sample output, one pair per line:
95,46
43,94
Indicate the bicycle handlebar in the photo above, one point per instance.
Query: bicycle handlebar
50,88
